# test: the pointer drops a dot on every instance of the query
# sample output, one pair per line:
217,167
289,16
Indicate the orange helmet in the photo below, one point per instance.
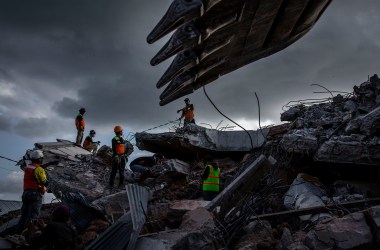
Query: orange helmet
118,129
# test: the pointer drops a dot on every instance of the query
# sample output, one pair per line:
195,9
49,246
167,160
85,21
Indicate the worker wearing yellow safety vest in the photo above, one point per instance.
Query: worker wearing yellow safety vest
210,179
187,113
119,157
35,183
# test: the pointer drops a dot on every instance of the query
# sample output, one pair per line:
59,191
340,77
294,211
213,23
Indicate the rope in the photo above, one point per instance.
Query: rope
158,126
8,159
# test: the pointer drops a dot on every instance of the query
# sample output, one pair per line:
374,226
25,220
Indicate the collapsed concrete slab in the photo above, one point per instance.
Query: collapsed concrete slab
194,141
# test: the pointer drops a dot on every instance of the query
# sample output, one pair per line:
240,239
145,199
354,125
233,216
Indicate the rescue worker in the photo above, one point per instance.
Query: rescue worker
80,125
89,144
143,165
210,179
35,183
119,156
187,113
58,234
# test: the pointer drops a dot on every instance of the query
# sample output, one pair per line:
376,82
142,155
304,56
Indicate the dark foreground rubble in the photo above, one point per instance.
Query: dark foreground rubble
310,183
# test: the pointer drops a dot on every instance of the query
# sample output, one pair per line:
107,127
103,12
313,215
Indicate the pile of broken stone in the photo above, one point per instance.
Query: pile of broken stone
273,199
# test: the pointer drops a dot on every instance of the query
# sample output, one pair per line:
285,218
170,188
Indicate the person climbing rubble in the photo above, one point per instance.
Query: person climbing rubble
119,156
144,165
210,179
187,113
35,183
89,144
80,125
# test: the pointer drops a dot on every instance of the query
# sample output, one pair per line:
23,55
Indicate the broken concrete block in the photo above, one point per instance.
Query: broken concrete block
291,114
350,106
299,142
370,123
306,192
348,149
197,219
348,232
258,235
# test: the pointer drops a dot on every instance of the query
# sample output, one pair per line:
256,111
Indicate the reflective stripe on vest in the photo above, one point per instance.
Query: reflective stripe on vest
120,148
212,181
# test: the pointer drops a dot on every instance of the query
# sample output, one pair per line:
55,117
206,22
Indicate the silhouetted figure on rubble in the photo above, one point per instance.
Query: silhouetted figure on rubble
35,183
91,145
58,234
80,125
187,113
119,156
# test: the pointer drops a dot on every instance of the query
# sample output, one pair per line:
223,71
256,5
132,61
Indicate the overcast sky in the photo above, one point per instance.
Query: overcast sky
58,56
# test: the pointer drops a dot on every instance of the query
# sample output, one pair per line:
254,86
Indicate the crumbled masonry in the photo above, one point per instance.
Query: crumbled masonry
312,182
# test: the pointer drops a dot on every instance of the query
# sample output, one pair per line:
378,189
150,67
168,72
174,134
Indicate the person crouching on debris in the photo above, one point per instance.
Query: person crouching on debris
89,144
143,165
80,125
210,179
35,183
187,113
119,157
58,234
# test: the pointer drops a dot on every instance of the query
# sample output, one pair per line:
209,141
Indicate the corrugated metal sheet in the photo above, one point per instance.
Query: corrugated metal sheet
116,237
8,206
138,202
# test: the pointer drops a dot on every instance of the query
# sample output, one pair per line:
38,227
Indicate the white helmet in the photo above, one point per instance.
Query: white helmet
36,154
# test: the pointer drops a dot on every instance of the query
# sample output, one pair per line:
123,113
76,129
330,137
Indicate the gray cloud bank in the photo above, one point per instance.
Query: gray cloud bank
56,57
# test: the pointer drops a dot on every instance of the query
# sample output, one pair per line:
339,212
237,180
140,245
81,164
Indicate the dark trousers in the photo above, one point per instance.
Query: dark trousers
209,195
118,165
188,122
79,136
31,206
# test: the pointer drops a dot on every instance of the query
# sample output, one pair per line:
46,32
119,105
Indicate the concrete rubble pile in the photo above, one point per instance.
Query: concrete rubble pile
310,183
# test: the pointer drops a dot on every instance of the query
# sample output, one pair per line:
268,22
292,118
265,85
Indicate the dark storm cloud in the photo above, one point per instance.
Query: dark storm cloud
5,124
94,54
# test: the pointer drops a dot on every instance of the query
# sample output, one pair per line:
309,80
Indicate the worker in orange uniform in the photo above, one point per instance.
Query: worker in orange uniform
210,178
80,125
119,156
89,143
187,113
35,183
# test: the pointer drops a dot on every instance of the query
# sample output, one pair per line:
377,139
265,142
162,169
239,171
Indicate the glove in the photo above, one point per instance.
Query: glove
116,157
98,142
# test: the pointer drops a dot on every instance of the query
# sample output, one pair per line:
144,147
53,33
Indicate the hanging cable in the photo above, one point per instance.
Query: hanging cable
8,159
258,104
250,138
